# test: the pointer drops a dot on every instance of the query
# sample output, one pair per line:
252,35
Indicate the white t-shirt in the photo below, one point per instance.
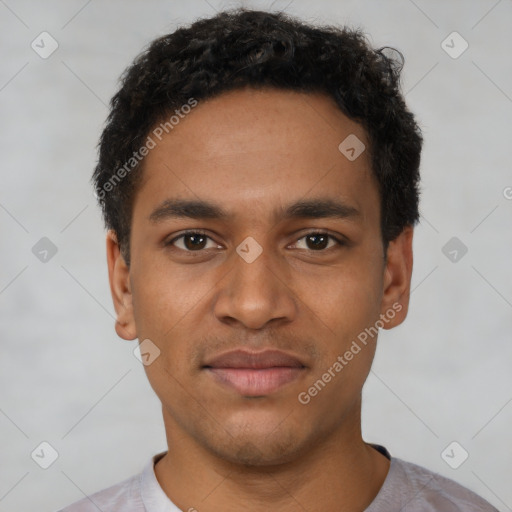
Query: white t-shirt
407,488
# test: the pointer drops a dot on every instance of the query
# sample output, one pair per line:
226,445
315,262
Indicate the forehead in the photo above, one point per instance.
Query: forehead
252,149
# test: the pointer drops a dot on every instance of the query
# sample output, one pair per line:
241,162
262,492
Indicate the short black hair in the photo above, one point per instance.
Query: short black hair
240,48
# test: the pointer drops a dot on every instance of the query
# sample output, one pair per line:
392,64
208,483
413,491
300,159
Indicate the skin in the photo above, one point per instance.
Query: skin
252,152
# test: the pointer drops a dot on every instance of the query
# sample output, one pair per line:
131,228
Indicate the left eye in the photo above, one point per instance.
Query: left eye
319,241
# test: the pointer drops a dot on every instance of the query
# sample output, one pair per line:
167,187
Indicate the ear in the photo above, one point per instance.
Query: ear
119,279
397,279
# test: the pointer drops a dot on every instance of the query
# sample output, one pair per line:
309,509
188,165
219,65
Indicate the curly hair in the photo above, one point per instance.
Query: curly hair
240,48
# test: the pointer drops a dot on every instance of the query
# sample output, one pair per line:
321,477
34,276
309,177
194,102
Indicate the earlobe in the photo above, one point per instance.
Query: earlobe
119,279
397,279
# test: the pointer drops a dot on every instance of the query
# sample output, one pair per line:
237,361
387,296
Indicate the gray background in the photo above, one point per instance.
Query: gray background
66,378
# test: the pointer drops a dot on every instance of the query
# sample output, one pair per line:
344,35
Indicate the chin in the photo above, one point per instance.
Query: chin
254,454
258,445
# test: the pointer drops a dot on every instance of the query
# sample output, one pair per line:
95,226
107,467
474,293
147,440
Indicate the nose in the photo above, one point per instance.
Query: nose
255,293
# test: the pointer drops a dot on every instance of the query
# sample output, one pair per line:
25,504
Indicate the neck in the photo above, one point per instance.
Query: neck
340,474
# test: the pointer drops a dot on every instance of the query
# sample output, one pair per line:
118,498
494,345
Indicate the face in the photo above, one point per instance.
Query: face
257,263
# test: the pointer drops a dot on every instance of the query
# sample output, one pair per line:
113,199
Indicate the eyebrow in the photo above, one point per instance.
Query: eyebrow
302,209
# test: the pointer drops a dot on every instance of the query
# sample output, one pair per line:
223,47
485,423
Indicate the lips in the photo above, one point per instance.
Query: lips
255,373
243,359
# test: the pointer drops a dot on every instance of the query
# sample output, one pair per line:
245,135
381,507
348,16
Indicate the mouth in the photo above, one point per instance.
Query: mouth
255,374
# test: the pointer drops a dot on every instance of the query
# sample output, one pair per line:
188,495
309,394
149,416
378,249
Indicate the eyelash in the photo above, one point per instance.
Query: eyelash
339,241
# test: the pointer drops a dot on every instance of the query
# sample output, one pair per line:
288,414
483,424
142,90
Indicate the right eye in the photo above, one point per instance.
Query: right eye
192,241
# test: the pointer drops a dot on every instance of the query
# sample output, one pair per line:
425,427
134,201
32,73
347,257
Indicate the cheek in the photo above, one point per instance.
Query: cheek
345,307
165,295
164,303
344,300
170,308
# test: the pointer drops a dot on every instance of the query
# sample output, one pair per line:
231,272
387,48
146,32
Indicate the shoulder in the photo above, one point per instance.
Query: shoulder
416,489
124,496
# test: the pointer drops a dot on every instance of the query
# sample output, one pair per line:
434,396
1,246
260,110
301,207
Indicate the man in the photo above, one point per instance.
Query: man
259,181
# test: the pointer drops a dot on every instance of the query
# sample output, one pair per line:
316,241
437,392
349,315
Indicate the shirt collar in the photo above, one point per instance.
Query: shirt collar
153,496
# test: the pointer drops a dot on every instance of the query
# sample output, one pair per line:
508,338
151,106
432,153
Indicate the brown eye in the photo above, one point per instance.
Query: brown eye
191,242
195,241
318,241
